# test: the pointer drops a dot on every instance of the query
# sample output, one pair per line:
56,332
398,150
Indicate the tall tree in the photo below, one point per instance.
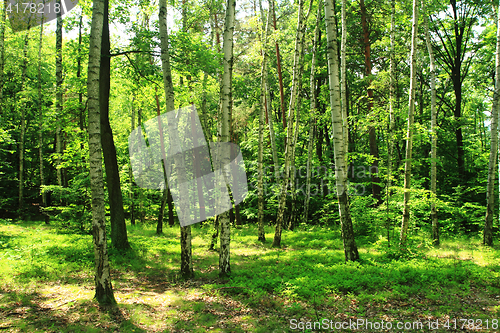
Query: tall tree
59,95
313,105
455,55
186,254
434,219
104,291
263,107
409,133
350,248
119,237
2,53
495,109
225,126
40,122
289,145
24,68
371,131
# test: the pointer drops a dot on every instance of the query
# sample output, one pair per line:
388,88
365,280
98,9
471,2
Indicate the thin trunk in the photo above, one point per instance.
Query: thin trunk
225,130
40,124
434,219
409,136
78,75
59,96
490,197
290,130
215,235
130,174
104,290
350,248
119,237
343,82
312,125
391,118
186,252
371,131
2,53
24,67
263,106
280,76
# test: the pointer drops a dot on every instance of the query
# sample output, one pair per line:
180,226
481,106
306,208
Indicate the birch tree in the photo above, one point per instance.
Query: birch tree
59,95
104,291
313,105
290,131
350,248
409,133
226,105
434,219
40,122
186,252
24,67
490,197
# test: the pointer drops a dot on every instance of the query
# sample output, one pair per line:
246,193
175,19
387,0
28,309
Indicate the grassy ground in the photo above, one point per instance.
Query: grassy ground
46,284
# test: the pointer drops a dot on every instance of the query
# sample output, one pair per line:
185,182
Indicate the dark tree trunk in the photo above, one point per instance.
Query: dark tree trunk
118,227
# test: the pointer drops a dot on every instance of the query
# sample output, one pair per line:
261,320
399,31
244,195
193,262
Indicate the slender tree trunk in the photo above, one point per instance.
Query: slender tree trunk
290,142
263,106
343,80
186,252
2,53
390,152
24,67
312,125
225,130
130,174
350,248
59,96
434,219
40,124
280,76
495,109
104,290
371,131
215,235
409,136
119,237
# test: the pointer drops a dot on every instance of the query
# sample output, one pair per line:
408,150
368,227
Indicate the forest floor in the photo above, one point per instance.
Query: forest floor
46,284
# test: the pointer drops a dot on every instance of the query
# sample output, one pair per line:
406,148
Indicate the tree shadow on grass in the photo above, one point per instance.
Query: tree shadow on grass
30,311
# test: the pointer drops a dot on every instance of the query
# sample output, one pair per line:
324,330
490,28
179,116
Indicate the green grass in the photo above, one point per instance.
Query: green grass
46,282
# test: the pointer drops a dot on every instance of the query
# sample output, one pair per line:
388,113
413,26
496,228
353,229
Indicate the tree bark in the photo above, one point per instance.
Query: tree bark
434,219
495,109
2,53
59,96
390,152
263,106
312,124
280,76
225,130
371,131
409,134
24,67
186,252
343,80
119,237
40,124
104,290
290,130
350,248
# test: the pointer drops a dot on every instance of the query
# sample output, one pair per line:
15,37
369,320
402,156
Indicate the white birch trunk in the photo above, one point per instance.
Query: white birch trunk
409,134
104,291
490,197
24,67
350,248
226,105
312,124
434,220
